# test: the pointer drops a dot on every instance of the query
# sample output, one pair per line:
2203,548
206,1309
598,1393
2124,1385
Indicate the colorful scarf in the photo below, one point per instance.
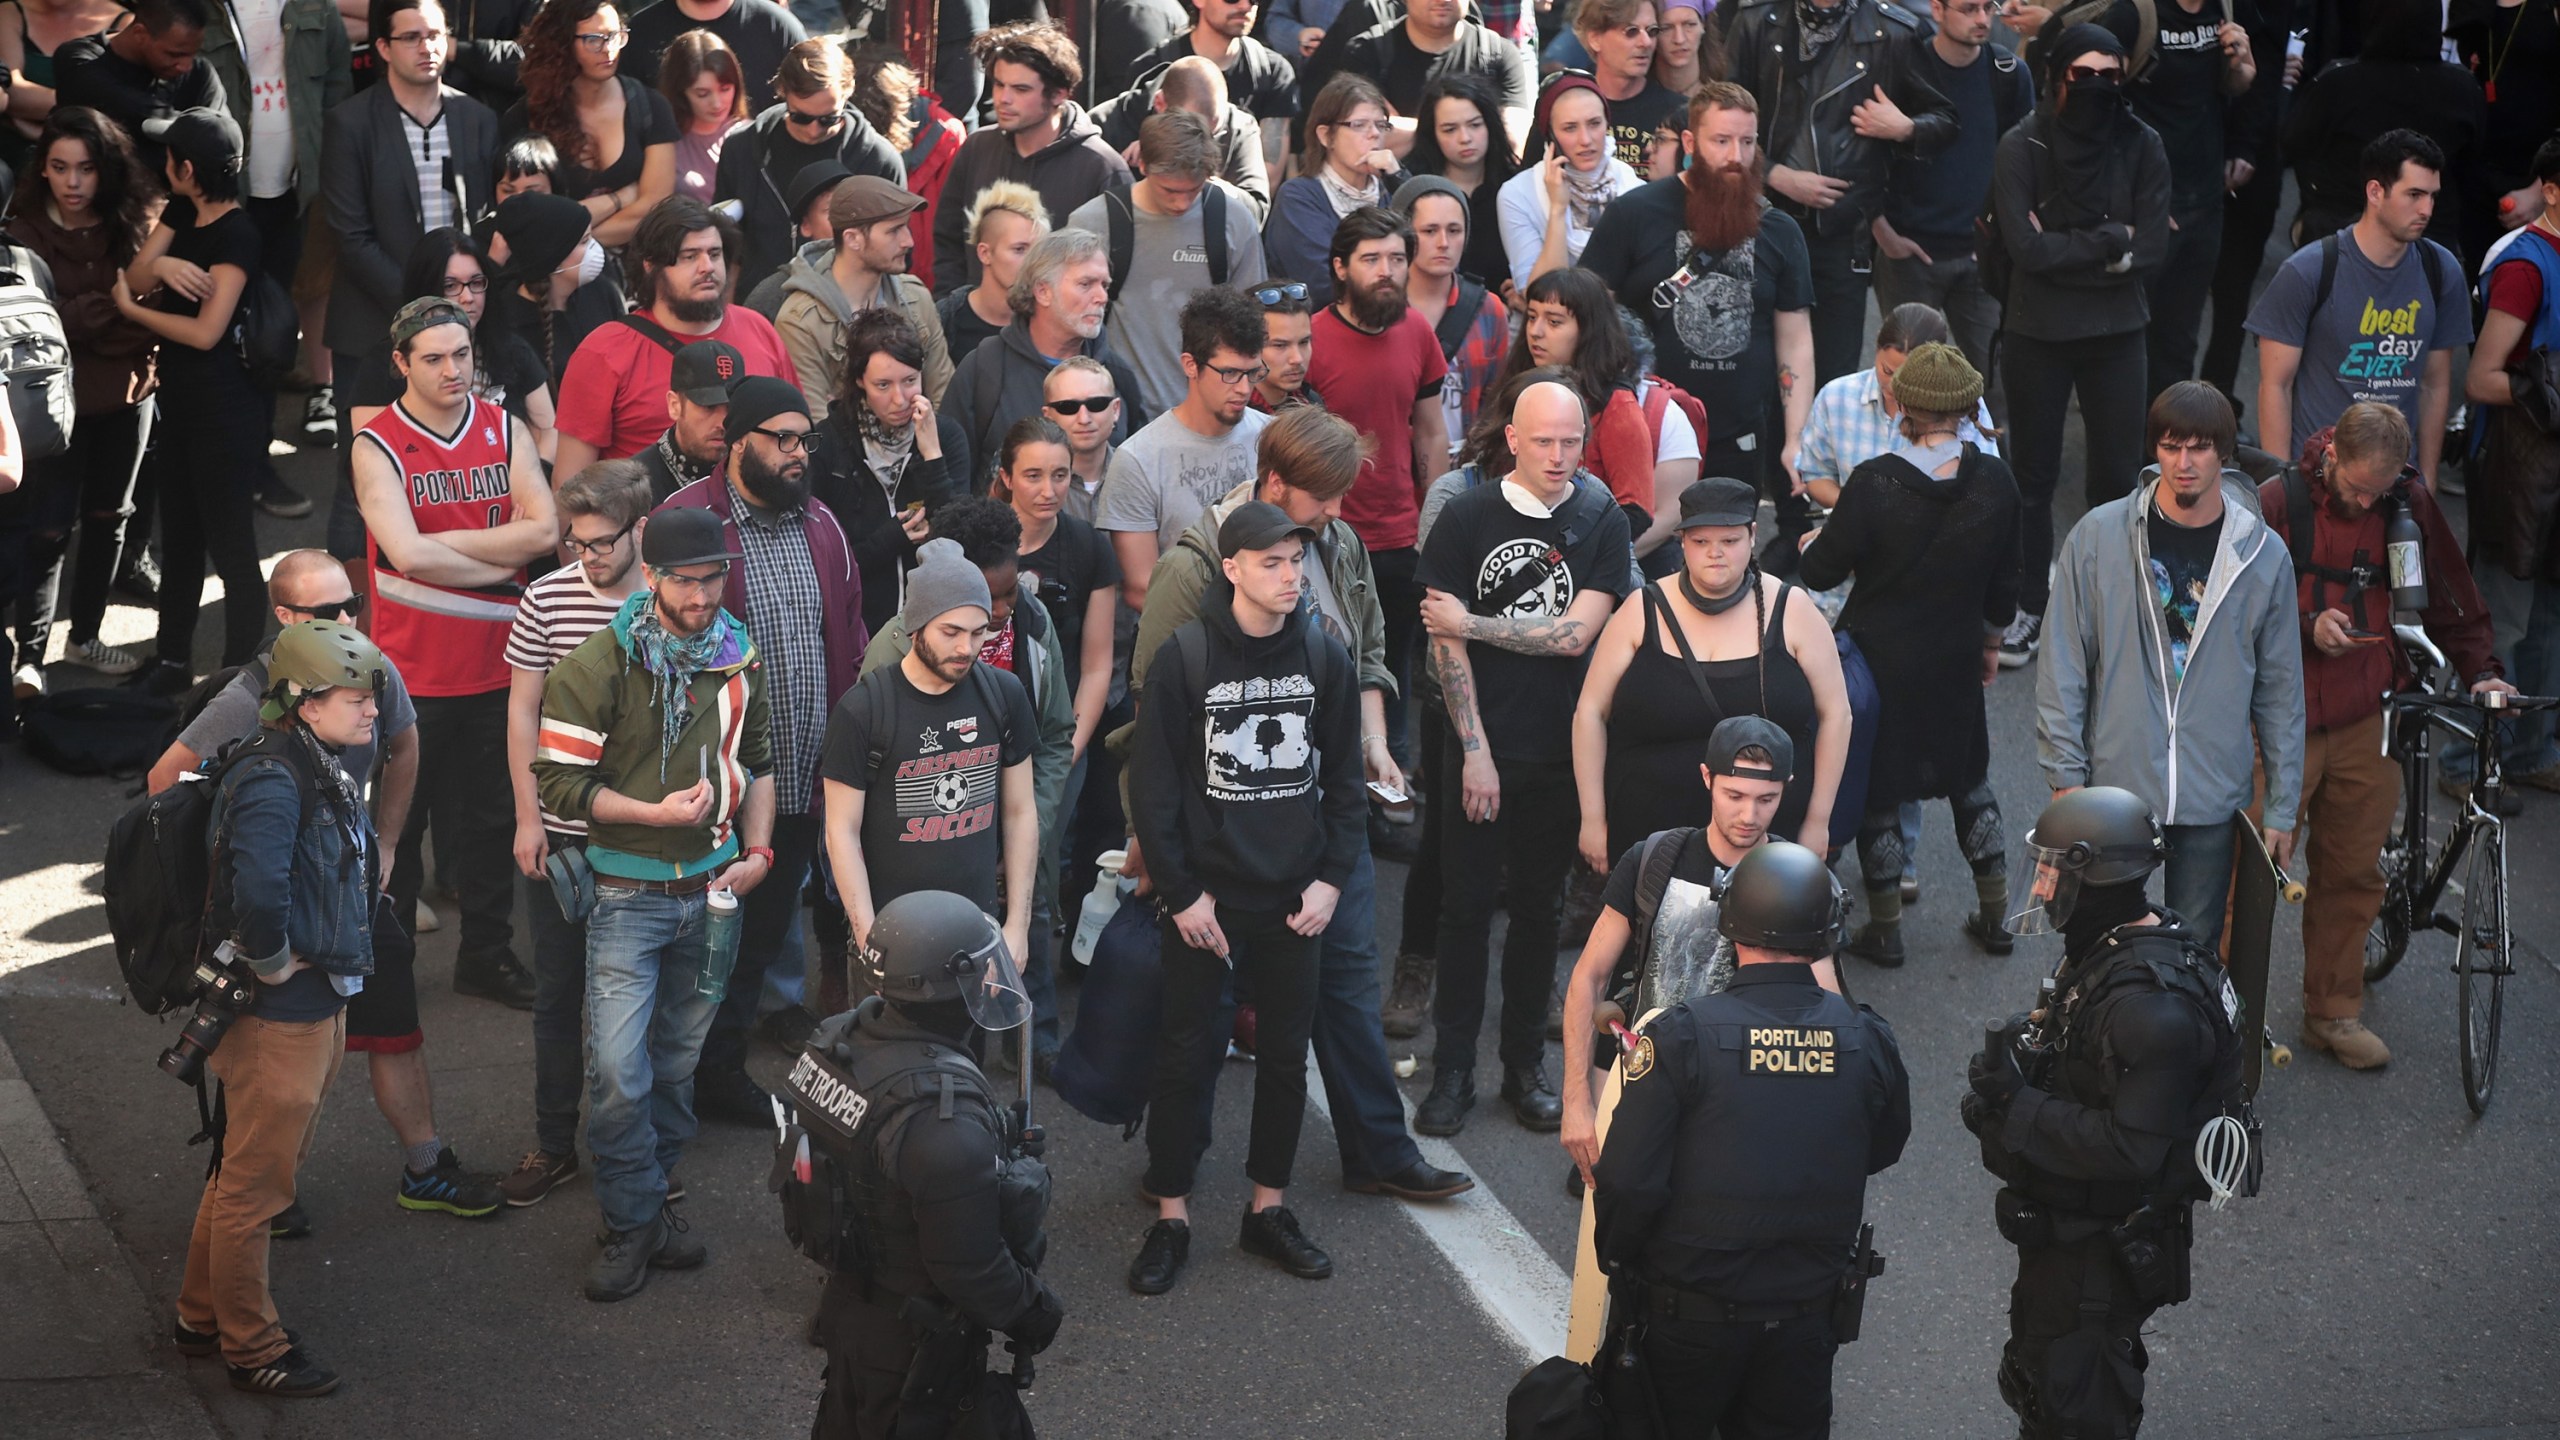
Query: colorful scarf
673,661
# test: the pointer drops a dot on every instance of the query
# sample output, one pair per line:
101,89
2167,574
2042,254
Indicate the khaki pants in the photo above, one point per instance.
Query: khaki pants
2350,792
274,1076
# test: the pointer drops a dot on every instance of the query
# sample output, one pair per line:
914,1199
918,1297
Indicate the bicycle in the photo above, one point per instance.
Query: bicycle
2420,870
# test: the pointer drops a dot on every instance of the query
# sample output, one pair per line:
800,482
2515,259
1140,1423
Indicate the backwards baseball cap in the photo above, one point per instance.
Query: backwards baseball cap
684,536
705,371
1258,525
1718,500
207,139
868,200
425,313
758,399
1730,738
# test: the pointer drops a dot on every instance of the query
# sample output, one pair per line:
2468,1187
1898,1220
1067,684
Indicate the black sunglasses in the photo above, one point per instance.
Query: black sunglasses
1270,295
795,117
1091,404
341,610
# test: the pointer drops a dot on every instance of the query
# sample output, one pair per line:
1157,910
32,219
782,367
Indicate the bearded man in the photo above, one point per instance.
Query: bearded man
1724,281
796,587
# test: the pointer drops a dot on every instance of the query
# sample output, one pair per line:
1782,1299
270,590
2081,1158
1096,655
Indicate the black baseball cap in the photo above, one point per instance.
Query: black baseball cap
681,535
207,139
1732,736
1718,500
706,371
1258,525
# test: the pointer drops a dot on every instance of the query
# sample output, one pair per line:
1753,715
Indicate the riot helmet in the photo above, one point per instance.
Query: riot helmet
932,946
2093,837
1782,897
319,655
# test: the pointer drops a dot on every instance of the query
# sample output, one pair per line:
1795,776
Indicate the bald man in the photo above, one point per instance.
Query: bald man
1243,150
382,1019
1509,626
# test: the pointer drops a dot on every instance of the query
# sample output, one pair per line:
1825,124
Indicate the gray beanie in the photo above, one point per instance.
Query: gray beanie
1410,193
942,581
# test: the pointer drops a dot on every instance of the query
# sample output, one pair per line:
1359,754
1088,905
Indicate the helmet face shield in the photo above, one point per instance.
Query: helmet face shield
991,984
2044,885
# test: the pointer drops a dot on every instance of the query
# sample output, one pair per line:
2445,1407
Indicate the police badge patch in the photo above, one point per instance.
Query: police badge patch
1640,1060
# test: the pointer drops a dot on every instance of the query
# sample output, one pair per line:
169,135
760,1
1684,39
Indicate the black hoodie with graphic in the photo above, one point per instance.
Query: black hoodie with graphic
1245,781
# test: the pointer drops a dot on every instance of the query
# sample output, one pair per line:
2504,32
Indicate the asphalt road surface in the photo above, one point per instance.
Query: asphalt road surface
2395,1279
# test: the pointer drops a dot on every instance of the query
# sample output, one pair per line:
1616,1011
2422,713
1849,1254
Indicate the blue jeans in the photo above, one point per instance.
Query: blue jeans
1351,1049
559,1016
645,1025
2526,614
2196,881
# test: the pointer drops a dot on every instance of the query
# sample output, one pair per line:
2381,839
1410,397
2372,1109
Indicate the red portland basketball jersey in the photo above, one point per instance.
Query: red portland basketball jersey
446,641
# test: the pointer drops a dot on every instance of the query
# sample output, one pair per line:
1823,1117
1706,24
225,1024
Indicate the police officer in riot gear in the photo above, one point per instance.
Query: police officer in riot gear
1728,1194
2088,1110
912,1183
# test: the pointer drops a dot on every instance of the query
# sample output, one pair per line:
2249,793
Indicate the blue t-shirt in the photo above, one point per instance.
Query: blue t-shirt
2371,339
1936,197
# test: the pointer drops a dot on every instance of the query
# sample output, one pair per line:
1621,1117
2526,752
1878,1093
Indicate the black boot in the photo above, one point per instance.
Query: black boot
1532,1099
1444,1110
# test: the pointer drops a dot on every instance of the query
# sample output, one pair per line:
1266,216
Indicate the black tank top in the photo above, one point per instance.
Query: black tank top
1659,723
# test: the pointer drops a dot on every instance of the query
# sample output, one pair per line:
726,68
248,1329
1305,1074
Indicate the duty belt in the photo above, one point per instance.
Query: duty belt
1669,1302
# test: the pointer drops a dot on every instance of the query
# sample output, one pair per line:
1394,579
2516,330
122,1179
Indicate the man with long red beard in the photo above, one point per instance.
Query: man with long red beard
1723,280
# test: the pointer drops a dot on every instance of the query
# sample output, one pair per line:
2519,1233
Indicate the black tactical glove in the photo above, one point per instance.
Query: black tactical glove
1977,1113
1033,1329
1995,1077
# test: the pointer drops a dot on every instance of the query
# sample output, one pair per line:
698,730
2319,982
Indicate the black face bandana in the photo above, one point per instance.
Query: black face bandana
2092,107
2099,909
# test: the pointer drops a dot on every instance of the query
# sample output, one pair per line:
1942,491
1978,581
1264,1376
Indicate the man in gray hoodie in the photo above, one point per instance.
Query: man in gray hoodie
1040,138
2172,640
864,269
1058,305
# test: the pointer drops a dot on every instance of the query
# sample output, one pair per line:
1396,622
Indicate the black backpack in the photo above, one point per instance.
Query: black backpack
1124,234
1656,863
34,354
112,730
265,331
159,874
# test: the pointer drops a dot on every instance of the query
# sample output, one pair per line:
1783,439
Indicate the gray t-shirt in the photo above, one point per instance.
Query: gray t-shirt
232,714
1168,260
1168,473
2371,338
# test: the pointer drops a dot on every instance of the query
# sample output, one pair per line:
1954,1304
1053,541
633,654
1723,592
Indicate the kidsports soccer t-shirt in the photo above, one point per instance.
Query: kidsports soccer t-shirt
933,781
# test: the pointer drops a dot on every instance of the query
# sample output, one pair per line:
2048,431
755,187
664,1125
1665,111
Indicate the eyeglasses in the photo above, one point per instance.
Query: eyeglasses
596,549
1091,405
476,285
1241,375
1365,127
789,442
604,40
1269,295
341,610
819,121
418,37
692,582
1640,32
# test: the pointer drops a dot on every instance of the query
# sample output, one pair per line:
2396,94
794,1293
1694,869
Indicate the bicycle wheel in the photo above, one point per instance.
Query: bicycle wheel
2481,963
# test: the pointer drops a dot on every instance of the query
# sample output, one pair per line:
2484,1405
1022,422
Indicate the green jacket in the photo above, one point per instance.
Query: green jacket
601,729
1174,590
1046,678
315,77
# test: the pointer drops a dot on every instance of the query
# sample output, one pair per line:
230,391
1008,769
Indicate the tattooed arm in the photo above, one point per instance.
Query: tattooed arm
1795,384
1480,785
1568,634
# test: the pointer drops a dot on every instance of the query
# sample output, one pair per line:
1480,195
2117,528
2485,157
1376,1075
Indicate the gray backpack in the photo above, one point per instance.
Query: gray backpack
35,359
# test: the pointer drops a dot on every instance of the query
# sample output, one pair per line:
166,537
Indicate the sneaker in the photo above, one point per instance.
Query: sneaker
320,417
2018,643
2356,1047
502,980
140,578
27,682
283,501
537,1175
290,1376
94,654
733,1097
423,920
450,1188
1161,1257
290,1223
1274,1235
203,1344
1408,996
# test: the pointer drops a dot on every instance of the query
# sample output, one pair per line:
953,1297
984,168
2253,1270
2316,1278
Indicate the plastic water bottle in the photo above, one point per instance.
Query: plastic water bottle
1100,905
720,925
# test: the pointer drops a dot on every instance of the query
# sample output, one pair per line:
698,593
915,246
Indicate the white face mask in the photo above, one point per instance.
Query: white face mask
590,262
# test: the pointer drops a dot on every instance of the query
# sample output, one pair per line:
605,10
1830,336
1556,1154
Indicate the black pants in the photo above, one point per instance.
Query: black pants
210,464
1277,966
1400,598
2107,373
2179,289
764,926
559,1012
462,787
1839,302
868,1351
2248,218
1523,853
90,485
2067,1378
1743,1380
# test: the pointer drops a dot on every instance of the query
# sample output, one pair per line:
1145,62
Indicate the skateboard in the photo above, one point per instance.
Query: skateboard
2257,883
1588,1317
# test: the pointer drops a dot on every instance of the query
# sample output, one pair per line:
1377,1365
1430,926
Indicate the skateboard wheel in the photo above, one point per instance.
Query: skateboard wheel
2282,1056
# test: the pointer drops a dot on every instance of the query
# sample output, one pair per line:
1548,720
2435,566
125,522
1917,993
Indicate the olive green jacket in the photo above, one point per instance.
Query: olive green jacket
316,77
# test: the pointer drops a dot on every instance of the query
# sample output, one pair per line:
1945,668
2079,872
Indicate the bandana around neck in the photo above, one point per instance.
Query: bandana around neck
673,661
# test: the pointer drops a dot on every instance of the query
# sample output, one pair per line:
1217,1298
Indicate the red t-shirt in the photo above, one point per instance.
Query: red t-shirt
2515,288
615,394
1374,381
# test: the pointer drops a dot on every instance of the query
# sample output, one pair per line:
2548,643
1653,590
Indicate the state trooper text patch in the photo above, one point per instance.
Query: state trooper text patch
827,1095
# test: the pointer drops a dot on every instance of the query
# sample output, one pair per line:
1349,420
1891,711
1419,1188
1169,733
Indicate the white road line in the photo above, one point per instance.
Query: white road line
1507,1274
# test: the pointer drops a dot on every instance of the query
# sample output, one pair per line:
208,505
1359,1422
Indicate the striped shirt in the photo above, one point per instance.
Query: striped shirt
431,151
558,612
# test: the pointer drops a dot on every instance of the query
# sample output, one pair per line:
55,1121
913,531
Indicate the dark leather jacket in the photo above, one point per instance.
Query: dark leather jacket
1805,107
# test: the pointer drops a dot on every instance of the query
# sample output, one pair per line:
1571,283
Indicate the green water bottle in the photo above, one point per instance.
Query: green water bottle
720,924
